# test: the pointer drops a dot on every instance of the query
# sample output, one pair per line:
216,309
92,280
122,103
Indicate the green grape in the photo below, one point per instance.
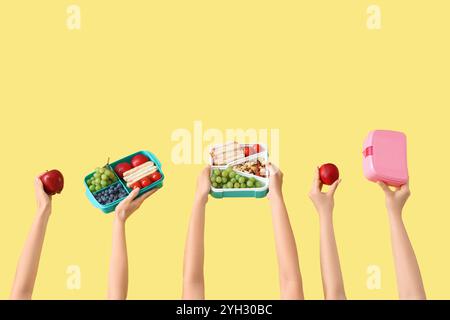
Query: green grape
213,178
224,180
237,185
250,183
96,175
230,185
241,180
104,177
233,180
225,173
232,174
110,174
215,184
252,179
216,172
218,179
97,180
101,170
258,184
104,183
92,188
243,185
98,188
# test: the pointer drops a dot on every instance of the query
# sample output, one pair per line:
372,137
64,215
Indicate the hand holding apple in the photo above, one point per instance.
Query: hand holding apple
43,200
323,201
53,182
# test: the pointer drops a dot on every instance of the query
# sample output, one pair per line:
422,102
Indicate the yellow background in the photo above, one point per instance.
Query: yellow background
137,70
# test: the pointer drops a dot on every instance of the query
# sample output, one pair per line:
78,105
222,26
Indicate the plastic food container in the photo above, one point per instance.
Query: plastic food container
107,208
260,184
384,157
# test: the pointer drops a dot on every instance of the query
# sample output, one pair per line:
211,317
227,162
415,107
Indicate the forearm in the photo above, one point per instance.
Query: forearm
289,270
333,284
409,280
193,277
29,260
118,270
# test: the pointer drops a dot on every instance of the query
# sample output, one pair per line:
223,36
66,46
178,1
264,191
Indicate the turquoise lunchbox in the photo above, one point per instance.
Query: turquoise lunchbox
253,192
107,208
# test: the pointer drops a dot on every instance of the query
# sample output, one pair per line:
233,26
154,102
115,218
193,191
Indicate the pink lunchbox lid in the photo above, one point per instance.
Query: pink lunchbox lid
385,159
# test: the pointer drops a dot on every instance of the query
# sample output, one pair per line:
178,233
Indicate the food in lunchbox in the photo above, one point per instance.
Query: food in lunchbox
139,159
250,150
52,181
134,177
256,167
102,178
122,167
228,179
227,153
110,194
328,173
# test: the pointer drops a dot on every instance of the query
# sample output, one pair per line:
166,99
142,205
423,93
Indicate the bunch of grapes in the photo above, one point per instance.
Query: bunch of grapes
102,178
228,179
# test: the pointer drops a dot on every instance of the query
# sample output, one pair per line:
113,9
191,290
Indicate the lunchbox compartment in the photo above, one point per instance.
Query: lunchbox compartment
152,158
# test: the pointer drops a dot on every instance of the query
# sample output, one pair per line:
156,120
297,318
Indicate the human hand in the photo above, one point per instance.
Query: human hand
323,201
275,182
130,204
203,185
43,200
395,199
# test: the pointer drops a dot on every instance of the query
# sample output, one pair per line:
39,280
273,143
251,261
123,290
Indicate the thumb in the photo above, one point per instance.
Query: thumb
133,194
333,187
145,196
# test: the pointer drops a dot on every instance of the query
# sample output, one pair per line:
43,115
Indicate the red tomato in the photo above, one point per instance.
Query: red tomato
256,148
138,159
136,185
246,151
145,182
328,173
155,176
121,168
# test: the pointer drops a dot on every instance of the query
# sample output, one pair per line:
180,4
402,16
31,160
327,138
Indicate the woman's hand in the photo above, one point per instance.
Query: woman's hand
323,201
130,204
43,200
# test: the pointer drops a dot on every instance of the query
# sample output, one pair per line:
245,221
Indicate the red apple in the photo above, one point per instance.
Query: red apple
53,182
121,168
138,159
328,173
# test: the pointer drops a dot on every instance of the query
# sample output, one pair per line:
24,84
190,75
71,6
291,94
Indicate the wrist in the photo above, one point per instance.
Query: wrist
201,199
118,220
43,212
275,195
325,216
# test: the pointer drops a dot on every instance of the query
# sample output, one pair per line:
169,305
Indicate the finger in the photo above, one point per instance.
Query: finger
142,198
333,187
133,194
384,186
317,184
272,168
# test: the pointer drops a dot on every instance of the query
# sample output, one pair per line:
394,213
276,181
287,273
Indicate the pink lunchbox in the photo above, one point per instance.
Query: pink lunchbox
384,159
